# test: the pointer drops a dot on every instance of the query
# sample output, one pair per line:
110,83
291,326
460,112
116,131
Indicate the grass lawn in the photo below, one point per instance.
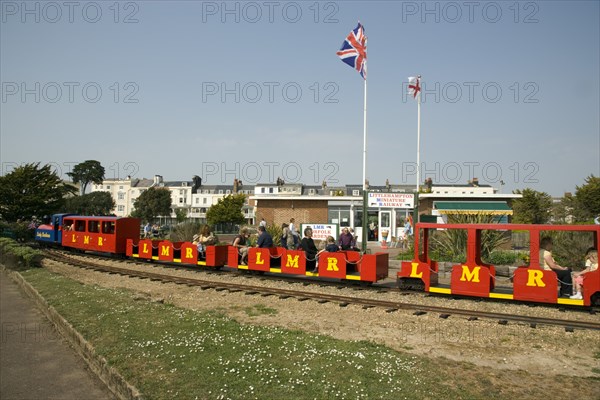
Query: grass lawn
168,352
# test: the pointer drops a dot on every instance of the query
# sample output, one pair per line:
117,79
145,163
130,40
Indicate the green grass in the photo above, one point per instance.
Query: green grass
168,352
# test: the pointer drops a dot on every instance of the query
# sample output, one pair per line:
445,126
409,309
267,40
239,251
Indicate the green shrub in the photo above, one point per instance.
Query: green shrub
12,252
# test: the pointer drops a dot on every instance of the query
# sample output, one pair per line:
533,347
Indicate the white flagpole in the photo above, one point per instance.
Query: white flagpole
365,195
365,139
418,137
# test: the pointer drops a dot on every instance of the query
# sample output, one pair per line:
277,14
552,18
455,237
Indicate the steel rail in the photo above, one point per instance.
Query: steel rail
343,301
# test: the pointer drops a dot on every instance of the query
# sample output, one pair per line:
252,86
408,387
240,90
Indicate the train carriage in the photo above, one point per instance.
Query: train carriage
101,234
477,278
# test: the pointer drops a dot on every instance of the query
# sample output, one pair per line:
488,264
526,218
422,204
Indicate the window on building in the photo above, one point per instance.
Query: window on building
228,192
355,192
262,190
181,200
220,191
107,187
205,200
270,190
121,208
121,196
120,187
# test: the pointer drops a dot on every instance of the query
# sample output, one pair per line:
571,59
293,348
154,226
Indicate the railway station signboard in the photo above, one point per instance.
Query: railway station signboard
321,231
391,200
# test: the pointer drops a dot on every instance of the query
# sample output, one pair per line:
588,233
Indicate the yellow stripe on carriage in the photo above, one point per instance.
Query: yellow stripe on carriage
242,267
203,263
154,257
308,273
571,302
135,255
501,296
353,277
276,270
439,290
177,260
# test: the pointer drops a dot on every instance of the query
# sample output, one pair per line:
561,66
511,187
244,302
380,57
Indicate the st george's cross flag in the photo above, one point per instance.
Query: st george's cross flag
354,50
414,85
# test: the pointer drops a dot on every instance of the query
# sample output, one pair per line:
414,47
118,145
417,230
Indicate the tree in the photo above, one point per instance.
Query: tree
95,203
228,210
587,200
152,203
533,208
180,215
31,190
86,172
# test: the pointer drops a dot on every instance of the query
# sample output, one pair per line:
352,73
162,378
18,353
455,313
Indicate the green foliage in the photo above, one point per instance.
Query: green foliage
503,257
185,232
31,190
15,254
227,210
533,208
152,203
180,215
451,244
276,232
587,200
86,172
95,203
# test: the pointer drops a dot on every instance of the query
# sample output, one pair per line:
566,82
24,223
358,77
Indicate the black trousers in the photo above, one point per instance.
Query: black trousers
565,281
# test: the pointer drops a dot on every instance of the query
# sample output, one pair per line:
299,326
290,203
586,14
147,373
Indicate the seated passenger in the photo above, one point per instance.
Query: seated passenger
199,246
264,238
207,238
310,250
345,240
330,246
562,273
240,242
591,264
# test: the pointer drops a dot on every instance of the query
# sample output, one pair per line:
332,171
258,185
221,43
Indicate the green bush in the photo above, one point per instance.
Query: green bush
19,254
500,257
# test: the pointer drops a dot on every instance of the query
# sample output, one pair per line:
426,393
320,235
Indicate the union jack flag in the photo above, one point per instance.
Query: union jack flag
354,50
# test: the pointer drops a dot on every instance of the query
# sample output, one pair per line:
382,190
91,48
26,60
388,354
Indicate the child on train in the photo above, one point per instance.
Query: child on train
591,264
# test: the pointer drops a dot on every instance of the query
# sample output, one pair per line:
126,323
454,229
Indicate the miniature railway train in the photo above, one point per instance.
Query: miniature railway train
474,278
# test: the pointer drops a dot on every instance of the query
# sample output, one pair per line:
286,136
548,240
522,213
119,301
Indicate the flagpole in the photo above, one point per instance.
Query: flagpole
418,139
416,205
365,194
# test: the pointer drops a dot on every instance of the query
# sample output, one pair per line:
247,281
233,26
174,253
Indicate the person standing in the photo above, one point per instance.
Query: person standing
310,250
285,230
263,223
294,233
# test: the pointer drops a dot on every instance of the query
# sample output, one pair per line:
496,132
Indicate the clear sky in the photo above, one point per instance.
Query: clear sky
255,90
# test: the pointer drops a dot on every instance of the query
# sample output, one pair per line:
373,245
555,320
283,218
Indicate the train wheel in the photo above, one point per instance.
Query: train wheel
411,284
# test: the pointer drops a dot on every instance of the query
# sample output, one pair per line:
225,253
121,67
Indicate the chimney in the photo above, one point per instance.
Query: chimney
158,179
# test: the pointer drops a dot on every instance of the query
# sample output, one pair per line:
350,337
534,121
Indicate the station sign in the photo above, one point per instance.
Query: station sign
321,231
391,200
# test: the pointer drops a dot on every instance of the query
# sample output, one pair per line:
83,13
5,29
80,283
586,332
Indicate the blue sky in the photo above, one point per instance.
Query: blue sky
255,90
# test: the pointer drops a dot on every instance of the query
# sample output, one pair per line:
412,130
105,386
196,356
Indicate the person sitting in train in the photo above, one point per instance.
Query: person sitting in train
264,238
207,238
330,245
591,264
345,240
199,246
562,273
310,250
285,231
240,242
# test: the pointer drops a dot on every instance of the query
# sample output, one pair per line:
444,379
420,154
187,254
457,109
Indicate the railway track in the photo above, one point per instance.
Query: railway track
343,301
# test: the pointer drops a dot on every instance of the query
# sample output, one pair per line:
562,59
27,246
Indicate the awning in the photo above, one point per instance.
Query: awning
472,207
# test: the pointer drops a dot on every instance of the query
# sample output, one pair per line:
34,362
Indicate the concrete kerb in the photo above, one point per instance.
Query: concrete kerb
97,364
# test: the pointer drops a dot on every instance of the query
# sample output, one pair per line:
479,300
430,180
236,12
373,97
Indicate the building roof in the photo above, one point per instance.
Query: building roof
472,207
